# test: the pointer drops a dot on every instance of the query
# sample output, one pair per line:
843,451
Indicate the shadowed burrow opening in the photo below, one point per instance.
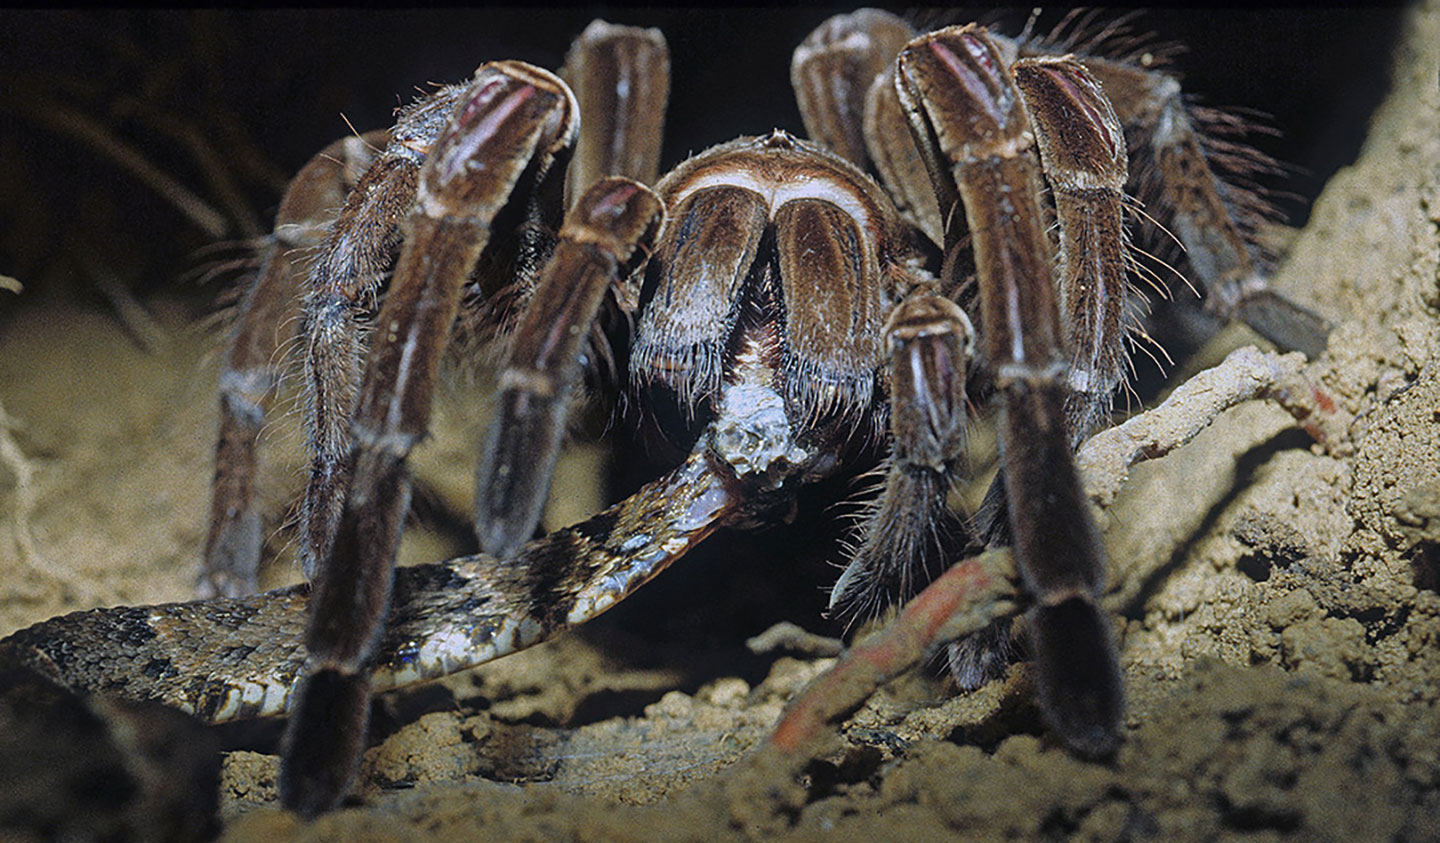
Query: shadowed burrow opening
1425,566
1257,567
857,765
1271,543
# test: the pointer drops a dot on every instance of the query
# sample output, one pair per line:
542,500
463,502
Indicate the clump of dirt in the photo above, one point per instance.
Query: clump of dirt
1281,661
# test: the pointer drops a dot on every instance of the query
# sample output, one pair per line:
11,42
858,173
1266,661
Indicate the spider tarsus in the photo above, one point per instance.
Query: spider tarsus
1079,686
233,546
983,656
323,740
1290,326
906,538
518,462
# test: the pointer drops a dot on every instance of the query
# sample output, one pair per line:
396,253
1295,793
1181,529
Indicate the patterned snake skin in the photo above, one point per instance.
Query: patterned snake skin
225,659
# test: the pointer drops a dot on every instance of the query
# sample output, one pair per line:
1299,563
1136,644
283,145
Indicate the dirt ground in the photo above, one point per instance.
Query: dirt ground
1277,597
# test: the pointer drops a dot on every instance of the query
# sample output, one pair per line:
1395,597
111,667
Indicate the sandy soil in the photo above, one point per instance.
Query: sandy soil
1281,656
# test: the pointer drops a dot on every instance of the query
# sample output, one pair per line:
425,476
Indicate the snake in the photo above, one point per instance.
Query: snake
225,659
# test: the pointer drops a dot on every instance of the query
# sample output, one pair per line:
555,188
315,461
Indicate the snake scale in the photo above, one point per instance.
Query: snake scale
231,658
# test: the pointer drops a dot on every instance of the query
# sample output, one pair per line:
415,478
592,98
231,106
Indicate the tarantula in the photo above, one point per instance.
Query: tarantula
777,308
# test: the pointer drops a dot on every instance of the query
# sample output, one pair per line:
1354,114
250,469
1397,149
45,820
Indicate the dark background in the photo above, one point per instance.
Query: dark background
259,92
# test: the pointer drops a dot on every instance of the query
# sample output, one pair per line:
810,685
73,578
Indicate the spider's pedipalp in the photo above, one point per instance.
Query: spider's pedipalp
609,230
910,532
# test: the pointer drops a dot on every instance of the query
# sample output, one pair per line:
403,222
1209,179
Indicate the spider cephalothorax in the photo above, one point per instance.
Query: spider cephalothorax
780,309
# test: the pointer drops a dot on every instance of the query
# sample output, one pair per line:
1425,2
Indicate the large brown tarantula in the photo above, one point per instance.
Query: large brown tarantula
777,308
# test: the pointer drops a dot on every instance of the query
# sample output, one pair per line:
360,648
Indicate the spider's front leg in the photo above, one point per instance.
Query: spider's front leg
621,79
971,125
606,235
497,151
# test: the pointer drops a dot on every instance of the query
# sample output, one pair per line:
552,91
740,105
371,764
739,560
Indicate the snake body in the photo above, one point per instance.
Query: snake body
231,658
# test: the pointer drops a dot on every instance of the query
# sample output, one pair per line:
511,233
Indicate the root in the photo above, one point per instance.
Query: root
976,591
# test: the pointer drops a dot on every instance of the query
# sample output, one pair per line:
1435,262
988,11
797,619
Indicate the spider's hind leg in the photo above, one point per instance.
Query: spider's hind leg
1211,219
255,360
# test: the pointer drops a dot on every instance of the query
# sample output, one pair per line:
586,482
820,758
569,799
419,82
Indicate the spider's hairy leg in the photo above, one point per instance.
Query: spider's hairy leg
843,77
605,235
499,147
831,72
1082,151
969,121
1184,193
911,532
900,164
621,78
343,277
269,317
